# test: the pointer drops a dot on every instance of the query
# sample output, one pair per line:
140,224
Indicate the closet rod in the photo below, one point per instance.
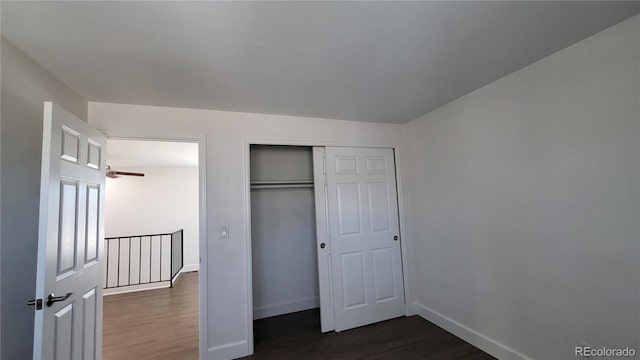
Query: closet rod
274,182
281,186
282,182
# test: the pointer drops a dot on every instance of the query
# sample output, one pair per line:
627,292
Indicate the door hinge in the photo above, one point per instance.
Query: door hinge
324,165
36,302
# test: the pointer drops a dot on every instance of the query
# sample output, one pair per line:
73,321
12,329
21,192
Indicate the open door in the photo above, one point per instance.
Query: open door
68,303
365,255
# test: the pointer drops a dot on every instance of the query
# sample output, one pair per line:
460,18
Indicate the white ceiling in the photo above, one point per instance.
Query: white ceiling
366,61
139,153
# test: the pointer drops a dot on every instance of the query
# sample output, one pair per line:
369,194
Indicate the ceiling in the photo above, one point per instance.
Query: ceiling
364,61
146,153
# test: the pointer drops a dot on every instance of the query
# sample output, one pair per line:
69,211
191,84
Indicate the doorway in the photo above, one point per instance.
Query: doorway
283,231
151,249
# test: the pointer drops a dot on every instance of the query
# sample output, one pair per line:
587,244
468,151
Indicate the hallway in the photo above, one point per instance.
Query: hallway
154,324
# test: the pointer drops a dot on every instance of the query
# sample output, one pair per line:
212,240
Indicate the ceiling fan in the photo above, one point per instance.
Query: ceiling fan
116,174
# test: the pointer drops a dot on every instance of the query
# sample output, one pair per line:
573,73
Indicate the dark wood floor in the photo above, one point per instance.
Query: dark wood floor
297,336
163,324
153,324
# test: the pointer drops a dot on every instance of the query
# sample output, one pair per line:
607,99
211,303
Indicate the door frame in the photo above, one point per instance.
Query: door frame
247,142
202,219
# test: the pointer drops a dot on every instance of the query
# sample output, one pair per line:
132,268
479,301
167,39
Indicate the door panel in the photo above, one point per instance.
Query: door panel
67,236
349,209
94,154
93,229
70,144
364,236
70,239
346,165
385,285
353,280
89,306
63,332
379,206
376,165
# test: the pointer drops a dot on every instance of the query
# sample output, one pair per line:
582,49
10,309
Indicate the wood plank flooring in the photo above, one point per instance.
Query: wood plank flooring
297,336
153,324
163,324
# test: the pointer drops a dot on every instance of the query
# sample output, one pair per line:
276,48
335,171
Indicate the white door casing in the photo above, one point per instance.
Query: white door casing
70,239
364,236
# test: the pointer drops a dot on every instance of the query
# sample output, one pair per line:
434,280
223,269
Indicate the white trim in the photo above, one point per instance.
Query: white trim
136,288
311,143
246,170
232,350
204,249
286,307
144,136
190,268
201,140
475,338
175,278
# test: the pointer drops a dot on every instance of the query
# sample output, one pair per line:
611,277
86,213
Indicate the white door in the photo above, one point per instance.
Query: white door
68,315
322,237
365,237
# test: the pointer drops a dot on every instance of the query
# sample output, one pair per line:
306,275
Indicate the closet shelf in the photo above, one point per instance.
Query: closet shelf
281,184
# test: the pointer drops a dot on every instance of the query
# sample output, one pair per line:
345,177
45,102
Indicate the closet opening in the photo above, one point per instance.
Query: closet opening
283,241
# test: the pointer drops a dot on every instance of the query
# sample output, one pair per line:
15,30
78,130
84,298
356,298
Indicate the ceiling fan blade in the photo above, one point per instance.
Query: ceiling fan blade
126,173
115,174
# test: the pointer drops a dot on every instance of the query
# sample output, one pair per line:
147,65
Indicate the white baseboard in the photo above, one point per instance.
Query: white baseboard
190,268
285,308
135,288
483,342
152,286
233,350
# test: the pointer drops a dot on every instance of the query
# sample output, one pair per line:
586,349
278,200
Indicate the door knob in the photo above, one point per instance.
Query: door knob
322,245
395,238
53,298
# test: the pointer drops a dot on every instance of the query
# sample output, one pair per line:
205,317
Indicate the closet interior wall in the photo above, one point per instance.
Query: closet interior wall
283,230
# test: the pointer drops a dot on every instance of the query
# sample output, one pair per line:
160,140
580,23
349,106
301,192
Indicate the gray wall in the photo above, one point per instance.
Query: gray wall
283,233
25,88
526,203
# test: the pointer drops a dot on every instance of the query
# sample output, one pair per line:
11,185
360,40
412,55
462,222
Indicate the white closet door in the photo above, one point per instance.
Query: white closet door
322,238
364,234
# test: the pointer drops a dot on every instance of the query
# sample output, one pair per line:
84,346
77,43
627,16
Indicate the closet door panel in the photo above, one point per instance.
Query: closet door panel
364,235
383,279
349,207
353,280
380,219
323,245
